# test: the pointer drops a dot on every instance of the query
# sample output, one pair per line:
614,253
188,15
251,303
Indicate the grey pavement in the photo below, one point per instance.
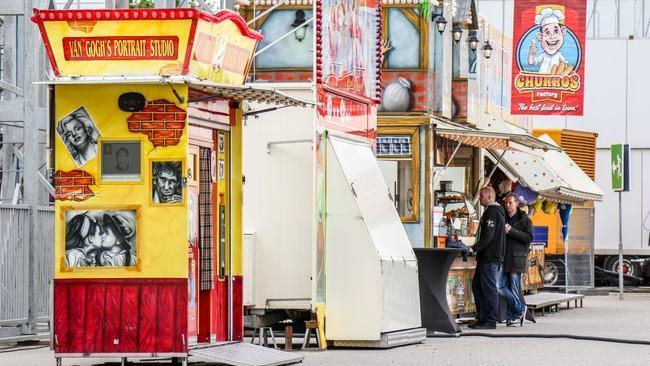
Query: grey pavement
601,316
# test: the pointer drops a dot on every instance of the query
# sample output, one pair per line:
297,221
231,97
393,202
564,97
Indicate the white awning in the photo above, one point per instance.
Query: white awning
520,139
489,138
578,183
554,176
237,92
250,93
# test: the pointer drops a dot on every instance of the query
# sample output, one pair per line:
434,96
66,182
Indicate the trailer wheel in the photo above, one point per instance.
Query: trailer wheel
551,273
629,267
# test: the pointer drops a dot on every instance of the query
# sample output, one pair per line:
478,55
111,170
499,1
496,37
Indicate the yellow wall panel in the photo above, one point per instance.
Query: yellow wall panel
237,194
161,230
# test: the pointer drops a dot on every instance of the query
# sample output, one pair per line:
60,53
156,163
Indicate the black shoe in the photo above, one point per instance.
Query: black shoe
511,323
482,326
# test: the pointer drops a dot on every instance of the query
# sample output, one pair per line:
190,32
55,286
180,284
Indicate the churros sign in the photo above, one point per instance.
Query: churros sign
120,48
548,59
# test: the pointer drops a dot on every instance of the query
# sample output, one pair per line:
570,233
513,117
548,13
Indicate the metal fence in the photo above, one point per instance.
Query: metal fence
16,251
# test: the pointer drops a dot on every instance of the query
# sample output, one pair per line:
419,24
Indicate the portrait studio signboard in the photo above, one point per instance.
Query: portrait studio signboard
548,68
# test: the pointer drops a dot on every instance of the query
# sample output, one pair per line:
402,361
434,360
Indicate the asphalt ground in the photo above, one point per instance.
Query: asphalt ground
601,316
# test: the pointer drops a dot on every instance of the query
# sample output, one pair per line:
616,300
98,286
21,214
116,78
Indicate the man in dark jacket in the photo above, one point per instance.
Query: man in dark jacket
489,248
519,234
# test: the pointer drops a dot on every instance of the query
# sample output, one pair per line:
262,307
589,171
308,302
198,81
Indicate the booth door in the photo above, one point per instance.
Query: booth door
222,292
210,148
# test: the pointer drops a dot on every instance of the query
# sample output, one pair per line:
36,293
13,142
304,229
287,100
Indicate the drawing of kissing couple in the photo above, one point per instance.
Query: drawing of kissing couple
100,239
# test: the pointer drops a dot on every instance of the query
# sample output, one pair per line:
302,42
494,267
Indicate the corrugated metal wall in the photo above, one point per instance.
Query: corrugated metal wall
14,263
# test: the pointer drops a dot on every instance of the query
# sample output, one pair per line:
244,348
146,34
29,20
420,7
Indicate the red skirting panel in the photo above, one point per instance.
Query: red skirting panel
214,304
120,316
238,308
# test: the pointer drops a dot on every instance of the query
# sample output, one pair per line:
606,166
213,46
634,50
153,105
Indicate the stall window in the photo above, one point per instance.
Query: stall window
398,154
404,35
293,51
461,166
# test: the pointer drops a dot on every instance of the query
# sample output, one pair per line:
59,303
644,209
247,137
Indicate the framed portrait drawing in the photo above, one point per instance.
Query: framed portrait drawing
222,169
222,143
121,161
213,166
79,135
101,238
167,182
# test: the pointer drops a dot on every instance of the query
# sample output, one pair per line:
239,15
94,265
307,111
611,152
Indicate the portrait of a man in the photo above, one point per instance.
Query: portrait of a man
121,160
79,134
122,157
167,182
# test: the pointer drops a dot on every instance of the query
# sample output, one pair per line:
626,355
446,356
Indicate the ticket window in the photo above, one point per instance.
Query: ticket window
398,153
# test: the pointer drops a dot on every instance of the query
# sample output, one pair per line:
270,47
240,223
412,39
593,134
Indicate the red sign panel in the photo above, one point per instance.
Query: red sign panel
120,48
548,68
343,114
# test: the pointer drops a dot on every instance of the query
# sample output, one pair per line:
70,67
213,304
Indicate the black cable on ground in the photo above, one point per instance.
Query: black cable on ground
531,335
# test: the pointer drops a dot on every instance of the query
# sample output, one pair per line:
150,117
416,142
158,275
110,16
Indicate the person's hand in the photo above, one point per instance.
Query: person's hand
533,48
508,227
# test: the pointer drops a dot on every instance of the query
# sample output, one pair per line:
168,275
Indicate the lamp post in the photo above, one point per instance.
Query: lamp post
472,40
487,49
301,32
441,22
457,32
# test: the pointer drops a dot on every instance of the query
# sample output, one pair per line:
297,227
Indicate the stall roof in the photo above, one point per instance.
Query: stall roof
554,176
579,183
490,139
238,92
251,93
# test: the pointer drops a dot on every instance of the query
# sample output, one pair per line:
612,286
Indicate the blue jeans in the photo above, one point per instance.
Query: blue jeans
510,288
484,289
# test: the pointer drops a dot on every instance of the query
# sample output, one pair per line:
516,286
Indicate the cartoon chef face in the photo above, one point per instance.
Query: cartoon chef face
552,32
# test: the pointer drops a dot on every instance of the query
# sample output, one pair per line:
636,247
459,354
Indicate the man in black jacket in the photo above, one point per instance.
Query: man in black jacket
489,248
519,234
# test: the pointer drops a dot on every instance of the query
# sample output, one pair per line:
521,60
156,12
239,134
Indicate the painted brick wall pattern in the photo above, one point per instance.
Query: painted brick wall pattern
161,120
73,185
459,98
418,80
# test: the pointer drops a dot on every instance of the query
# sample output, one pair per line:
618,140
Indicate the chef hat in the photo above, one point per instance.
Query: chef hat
548,16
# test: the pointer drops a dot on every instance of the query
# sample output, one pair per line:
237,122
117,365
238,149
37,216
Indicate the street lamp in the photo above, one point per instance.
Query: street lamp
457,32
441,22
301,32
487,49
473,41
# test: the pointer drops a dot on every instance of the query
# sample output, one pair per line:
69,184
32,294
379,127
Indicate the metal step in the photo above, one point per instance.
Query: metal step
389,339
246,354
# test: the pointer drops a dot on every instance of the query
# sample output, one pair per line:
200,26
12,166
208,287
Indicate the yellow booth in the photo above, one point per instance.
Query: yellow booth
146,133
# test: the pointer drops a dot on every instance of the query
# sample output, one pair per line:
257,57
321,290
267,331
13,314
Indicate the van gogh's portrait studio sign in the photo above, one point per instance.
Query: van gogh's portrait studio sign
120,48
548,59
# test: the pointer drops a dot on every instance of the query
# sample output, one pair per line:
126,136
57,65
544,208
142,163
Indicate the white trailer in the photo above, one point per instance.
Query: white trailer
616,107
371,293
